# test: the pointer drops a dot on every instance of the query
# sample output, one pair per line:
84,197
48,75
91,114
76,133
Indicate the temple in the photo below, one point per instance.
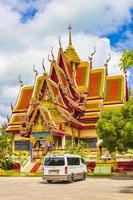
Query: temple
65,104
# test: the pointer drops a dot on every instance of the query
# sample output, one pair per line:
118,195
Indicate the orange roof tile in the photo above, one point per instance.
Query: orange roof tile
96,83
114,91
23,100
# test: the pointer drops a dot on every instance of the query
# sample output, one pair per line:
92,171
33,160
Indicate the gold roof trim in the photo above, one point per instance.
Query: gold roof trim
72,54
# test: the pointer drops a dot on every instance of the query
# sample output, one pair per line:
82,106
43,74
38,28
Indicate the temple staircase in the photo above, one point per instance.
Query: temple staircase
31,166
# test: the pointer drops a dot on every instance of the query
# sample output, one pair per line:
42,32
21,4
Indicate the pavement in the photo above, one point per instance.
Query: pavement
93,188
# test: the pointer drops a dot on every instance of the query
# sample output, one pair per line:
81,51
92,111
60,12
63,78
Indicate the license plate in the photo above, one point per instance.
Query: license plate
53,172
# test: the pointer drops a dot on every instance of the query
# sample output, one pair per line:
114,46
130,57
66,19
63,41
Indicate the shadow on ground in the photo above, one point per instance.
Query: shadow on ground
122,177
127,190
58,182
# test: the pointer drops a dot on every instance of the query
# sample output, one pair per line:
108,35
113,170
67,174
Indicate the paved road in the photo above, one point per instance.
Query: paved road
28,188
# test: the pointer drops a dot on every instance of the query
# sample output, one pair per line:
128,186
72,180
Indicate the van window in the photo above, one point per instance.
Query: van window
58,161
73,161
83,161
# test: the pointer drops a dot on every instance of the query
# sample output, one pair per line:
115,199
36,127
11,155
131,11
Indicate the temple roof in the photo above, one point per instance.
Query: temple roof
23,100
82,76
96,83
114,91
72,54
19,111
75,93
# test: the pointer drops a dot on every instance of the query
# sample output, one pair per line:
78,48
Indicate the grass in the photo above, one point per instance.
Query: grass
16,173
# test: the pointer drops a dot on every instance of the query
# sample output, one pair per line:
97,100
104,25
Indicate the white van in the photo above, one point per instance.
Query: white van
64,167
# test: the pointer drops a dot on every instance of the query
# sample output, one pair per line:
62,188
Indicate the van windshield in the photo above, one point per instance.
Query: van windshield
57,161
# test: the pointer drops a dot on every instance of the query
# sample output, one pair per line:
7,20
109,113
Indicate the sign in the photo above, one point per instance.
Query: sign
41,134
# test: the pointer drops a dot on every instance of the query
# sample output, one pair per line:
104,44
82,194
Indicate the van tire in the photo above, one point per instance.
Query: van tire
71,179
49,181
84,176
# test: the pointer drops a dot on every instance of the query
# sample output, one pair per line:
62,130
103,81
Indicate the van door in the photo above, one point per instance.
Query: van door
73,166
83,165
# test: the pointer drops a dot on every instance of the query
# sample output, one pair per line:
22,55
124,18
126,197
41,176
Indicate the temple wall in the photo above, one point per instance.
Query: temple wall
75,132
19,137
68,131
91,133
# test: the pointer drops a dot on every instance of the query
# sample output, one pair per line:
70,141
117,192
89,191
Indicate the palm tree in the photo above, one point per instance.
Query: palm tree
126,62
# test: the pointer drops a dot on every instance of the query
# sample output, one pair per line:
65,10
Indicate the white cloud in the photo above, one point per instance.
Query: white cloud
24,45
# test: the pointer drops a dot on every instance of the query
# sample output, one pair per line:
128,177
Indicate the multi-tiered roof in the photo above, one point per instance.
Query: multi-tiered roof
71,94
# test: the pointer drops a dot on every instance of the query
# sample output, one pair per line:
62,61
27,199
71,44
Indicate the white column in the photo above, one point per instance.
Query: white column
63,142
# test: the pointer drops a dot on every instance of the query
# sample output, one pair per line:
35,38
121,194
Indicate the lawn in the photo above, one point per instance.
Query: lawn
16,173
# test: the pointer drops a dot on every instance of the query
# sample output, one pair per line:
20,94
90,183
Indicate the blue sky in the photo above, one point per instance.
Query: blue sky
30,27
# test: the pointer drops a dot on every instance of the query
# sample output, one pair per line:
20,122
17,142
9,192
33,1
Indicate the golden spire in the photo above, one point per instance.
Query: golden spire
70,34
70,51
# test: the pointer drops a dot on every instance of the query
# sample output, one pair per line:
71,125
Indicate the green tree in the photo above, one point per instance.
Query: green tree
109,129
5,146
127,114
78,149
115,128
126,60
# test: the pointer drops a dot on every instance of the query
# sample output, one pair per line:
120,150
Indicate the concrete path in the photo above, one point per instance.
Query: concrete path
33,188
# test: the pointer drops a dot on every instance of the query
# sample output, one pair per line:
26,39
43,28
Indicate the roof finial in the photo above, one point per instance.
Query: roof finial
106,64
70,34
60,42
49,58
11,107
91,56
34,70
8,119
43,67
20,81
52,54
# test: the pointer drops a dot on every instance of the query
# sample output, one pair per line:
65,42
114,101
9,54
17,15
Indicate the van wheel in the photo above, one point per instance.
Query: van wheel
71,180
84,176
49,181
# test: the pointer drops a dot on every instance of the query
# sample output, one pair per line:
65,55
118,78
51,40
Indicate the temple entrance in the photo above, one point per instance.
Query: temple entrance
41,144
58,142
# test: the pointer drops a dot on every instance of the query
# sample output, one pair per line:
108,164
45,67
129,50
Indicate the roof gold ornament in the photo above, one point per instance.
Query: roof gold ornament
8,119
12,107
52,54
53,60
70,34
60,42
34,70
106,64
43,67
91,56
20,81
49,58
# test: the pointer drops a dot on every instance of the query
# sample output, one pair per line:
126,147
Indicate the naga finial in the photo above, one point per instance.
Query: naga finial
8,119
60,42
52,54
106,64
70,34
49,58
43,67
20,81
91,56
12,107
34,70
